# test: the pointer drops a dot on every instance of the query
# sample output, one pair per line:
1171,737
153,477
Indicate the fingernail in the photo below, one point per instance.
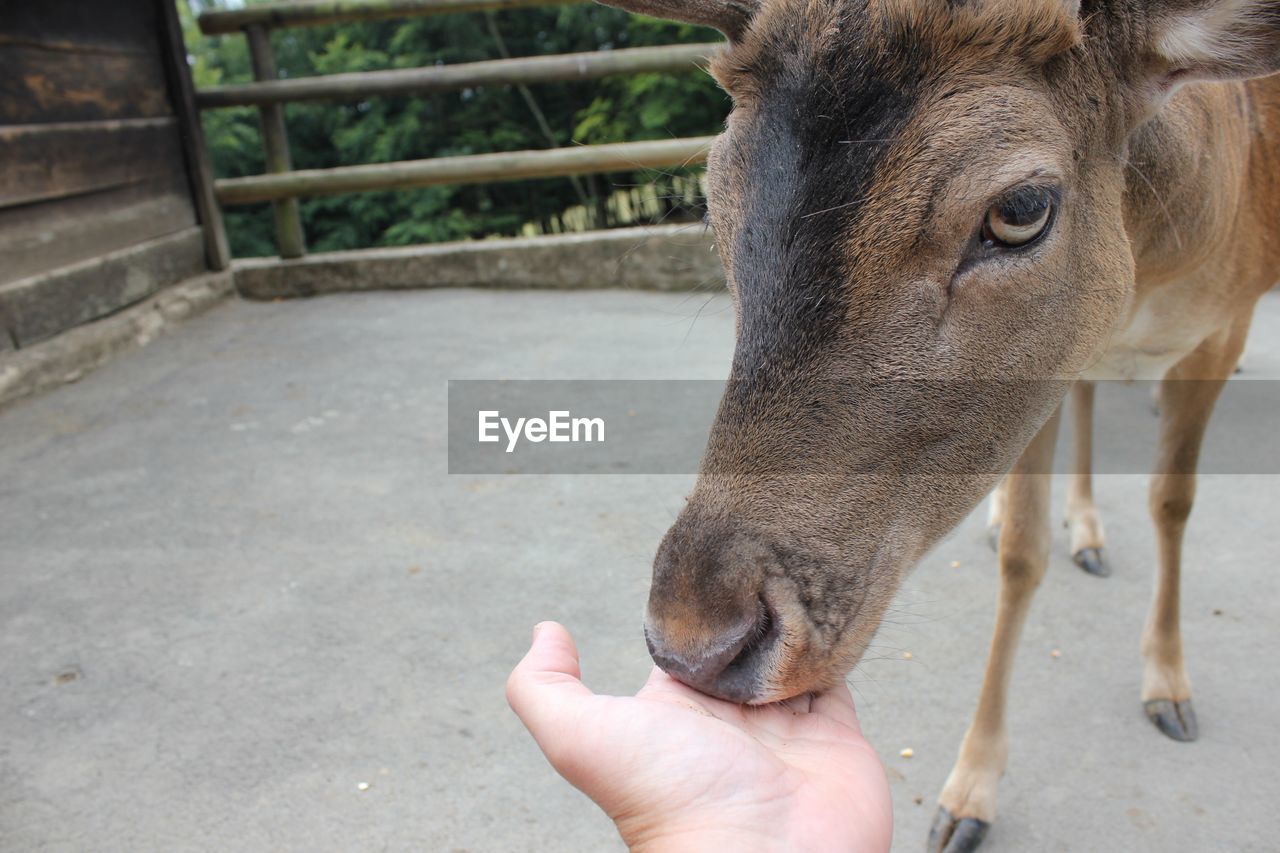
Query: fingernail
536,629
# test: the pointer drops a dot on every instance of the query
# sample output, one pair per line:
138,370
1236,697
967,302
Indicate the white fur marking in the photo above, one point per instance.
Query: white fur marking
1208,35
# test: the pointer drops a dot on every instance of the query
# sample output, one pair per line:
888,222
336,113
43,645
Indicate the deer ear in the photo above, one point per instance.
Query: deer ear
1215,39
730,17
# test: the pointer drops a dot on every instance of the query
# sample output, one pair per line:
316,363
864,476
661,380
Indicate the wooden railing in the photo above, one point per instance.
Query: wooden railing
283,186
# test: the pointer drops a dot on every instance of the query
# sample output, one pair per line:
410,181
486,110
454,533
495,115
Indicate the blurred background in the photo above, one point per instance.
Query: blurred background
475,120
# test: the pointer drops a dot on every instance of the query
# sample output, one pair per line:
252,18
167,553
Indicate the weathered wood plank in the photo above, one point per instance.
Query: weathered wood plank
39,307
43,161
199,169
36,238
447,78
38,84
472,169
121,27
305,14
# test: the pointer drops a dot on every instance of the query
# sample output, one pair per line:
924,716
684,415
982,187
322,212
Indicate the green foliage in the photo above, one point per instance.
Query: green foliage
325,134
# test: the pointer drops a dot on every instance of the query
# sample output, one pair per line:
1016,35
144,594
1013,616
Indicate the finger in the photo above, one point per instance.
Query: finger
545,687
837,704
660,681
660,684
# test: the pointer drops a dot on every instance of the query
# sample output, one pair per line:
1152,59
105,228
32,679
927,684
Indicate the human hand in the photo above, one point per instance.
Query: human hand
678,770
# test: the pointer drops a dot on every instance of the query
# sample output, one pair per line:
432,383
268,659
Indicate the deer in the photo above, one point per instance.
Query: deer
938,220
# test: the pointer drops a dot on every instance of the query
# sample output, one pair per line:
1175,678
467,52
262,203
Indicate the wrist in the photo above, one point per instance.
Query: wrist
700,836
700,841
853,830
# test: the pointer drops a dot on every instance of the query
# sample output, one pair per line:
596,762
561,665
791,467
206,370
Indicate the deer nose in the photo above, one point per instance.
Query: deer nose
730,665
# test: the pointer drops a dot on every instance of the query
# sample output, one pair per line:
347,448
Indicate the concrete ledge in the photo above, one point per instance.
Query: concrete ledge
41,306
72,354
664,257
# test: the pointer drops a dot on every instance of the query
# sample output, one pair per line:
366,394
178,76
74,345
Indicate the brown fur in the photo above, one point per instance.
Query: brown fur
980,35
888,372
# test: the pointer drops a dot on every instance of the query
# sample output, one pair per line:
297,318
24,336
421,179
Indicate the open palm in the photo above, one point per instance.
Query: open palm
676,769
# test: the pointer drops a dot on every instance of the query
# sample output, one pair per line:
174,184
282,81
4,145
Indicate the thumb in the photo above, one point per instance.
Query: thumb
545,689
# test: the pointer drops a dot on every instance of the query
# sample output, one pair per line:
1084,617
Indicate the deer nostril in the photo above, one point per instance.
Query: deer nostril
701,667
729,666
760,635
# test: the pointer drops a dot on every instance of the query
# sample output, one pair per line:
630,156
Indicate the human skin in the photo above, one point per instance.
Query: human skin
677,770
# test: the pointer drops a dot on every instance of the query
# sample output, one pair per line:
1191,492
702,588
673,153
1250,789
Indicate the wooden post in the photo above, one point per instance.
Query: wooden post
199,172
275,143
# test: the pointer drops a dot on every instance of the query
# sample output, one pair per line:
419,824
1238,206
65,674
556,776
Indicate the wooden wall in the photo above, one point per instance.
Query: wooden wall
99,196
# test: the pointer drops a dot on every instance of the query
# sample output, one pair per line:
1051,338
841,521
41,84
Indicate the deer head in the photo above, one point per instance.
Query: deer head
921,210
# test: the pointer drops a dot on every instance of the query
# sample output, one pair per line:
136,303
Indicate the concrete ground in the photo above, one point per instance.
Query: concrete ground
237,586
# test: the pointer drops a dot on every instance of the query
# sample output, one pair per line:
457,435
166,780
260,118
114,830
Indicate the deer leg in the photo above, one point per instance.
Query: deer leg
968,800
1087,538
995,513
1187,397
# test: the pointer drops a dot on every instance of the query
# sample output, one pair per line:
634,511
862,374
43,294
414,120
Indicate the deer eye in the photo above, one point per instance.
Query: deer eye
1019,218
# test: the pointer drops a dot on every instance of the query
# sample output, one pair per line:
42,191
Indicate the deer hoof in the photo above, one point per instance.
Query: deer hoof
1176,719
949,835
1091,560
993,537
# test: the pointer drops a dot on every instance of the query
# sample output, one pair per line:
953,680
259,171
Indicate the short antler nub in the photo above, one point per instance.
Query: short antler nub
730,17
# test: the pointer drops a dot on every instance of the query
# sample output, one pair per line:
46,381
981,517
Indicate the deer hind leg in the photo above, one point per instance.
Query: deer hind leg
1087,537
968,800
1187,397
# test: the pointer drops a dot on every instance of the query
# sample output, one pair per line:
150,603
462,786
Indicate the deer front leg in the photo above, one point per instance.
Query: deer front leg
968,800
995,513
1087,539
1187,397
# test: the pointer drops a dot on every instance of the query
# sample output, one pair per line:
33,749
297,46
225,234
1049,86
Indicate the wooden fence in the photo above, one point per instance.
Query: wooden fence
283,186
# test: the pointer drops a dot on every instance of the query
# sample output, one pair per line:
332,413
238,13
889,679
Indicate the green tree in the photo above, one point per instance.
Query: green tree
474,121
